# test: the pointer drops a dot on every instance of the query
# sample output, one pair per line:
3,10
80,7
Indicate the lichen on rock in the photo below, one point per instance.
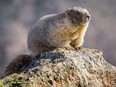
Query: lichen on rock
66,68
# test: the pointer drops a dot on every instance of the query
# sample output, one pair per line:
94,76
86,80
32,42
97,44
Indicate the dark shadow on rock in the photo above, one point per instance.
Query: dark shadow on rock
43,58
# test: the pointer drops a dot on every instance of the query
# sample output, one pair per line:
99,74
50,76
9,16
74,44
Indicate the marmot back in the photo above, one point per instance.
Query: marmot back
63,30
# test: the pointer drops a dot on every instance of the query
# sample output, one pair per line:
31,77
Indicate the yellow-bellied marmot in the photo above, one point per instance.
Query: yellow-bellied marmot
62,30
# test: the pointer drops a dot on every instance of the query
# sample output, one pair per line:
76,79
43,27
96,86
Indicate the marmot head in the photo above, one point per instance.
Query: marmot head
77,15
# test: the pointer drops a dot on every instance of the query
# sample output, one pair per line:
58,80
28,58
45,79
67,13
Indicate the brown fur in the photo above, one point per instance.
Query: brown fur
17,64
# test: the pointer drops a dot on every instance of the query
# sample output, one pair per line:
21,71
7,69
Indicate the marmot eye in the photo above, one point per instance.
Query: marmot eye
72,12
69,12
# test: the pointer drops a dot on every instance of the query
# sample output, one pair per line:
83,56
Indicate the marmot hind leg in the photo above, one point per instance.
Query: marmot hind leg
40,49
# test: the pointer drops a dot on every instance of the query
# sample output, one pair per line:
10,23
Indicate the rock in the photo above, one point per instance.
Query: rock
65,68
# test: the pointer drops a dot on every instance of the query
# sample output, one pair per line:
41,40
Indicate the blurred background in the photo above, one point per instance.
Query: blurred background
17,16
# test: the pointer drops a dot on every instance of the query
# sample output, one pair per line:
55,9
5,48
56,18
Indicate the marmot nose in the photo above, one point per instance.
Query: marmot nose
88,16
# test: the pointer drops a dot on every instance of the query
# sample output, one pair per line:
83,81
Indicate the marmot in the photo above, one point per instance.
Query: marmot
62,30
